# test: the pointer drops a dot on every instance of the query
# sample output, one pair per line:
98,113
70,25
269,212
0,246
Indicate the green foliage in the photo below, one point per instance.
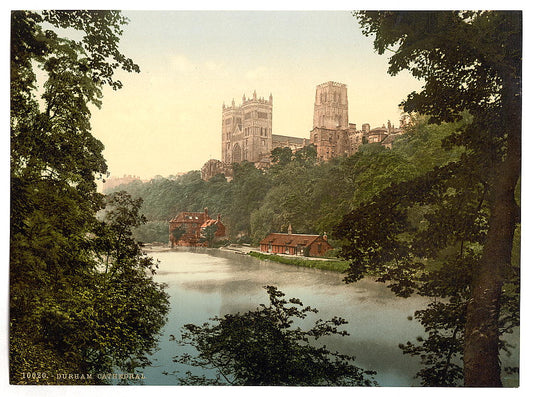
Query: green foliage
79,291
264,347
208,234
152,231
440,350
164,198
249,187
423,236
178,232
448,232
281,156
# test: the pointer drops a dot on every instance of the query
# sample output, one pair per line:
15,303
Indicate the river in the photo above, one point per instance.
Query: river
211,283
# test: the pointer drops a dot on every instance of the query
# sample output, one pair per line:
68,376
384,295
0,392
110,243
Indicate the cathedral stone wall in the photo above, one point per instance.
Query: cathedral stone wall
247,131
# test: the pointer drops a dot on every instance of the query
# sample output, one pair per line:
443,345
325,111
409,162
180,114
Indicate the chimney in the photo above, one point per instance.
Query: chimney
289,229
325,236
206,214
218,217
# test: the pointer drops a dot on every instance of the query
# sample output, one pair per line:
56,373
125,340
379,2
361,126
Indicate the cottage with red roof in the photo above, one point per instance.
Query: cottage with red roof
189,229
295,244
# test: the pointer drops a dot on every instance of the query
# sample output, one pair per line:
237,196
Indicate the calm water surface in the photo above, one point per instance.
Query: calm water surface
203,285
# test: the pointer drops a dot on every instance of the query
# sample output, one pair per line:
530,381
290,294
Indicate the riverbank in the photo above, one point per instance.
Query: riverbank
333,265
315,263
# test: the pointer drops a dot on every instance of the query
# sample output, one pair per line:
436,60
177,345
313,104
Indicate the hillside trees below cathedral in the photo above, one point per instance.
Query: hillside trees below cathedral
82,299
311,196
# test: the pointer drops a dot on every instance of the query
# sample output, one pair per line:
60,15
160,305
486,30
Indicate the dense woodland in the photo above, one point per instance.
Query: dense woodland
311,196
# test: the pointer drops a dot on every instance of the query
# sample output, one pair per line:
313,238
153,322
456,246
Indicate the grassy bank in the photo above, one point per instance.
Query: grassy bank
332,265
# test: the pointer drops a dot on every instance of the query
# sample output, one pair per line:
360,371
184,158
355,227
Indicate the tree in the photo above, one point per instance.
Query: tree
263,347
178,232
70,309
114,328
470,62
306,156
281,156
209,234
248,189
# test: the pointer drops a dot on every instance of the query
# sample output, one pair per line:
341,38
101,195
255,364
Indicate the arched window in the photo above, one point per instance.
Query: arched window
236,154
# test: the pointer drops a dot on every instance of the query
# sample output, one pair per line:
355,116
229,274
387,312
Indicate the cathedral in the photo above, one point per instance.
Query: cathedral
247,131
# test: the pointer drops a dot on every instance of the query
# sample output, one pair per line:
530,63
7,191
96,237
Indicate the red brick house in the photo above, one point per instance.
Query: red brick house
295,244
187,229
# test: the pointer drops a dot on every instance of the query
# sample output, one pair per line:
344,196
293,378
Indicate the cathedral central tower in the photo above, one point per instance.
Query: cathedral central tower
331,106
332,134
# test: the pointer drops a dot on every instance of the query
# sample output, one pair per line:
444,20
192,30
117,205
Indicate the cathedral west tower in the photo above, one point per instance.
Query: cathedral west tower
247,131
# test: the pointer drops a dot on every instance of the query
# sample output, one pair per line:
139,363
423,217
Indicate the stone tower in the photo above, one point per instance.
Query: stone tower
331,106
247,130
332,134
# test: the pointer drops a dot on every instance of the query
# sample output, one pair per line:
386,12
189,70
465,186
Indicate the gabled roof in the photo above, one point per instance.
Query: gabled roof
284,138
291,239
209,222
237,129
191,217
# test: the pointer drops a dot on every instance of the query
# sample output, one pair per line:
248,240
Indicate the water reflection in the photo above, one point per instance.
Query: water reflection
205,285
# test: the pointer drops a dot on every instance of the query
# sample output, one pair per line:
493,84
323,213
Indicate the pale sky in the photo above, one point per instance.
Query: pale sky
167,119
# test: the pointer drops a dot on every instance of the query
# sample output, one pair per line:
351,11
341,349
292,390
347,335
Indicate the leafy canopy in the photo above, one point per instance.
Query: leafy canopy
449,233
80,297
264,347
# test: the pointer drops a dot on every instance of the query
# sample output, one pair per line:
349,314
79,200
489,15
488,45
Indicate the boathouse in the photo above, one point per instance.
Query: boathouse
295,244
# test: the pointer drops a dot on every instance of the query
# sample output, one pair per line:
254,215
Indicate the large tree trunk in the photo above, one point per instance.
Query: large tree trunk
481,353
